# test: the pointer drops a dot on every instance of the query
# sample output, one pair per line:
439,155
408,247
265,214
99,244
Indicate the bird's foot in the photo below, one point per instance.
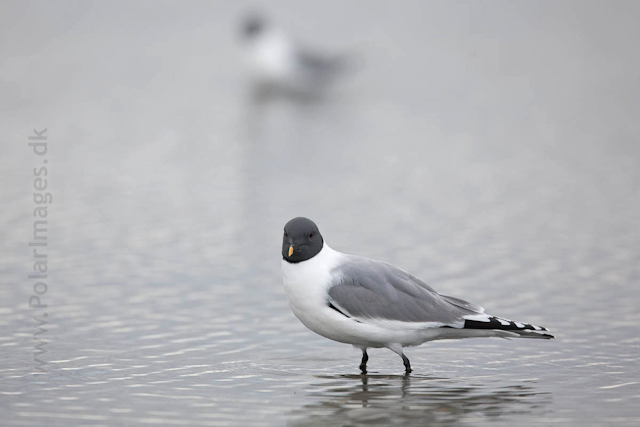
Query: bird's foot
363,363
407,365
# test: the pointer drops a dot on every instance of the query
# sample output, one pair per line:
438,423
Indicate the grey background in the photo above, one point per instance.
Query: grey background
489,148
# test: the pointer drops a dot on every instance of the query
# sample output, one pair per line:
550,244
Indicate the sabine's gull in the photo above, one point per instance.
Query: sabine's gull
372,304
277,61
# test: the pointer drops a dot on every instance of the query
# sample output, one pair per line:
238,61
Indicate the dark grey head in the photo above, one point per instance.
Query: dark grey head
253,26
301,240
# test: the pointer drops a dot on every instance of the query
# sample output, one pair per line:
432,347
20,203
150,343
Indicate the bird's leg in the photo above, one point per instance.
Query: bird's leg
407,365
365,359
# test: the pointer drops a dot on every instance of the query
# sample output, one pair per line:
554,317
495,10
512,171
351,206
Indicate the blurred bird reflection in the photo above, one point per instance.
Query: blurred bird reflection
412,400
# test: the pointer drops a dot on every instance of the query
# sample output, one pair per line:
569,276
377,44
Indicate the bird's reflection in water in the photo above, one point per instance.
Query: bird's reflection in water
261,94
412,400
289,135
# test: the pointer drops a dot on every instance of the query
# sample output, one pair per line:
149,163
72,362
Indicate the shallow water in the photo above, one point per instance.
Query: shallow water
491,151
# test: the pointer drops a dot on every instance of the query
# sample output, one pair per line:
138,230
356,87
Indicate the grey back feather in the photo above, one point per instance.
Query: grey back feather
371,289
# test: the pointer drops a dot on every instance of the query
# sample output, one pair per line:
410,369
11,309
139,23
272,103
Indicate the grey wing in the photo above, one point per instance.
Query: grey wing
321,67
475,309
368,289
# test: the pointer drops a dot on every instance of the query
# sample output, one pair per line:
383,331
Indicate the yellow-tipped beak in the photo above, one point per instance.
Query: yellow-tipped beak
290,250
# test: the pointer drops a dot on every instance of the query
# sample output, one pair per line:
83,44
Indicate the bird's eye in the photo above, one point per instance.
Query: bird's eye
311,235
285,234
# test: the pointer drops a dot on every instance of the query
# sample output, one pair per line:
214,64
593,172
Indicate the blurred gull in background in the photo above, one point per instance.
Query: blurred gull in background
279,64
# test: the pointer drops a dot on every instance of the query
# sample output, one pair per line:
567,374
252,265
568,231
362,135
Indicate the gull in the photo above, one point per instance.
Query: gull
277,61
372,304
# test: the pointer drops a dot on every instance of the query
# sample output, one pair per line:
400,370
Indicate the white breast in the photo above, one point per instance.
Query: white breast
272,55
306,283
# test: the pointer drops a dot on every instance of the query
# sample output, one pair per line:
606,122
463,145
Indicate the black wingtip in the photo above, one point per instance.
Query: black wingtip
493,322
533,334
